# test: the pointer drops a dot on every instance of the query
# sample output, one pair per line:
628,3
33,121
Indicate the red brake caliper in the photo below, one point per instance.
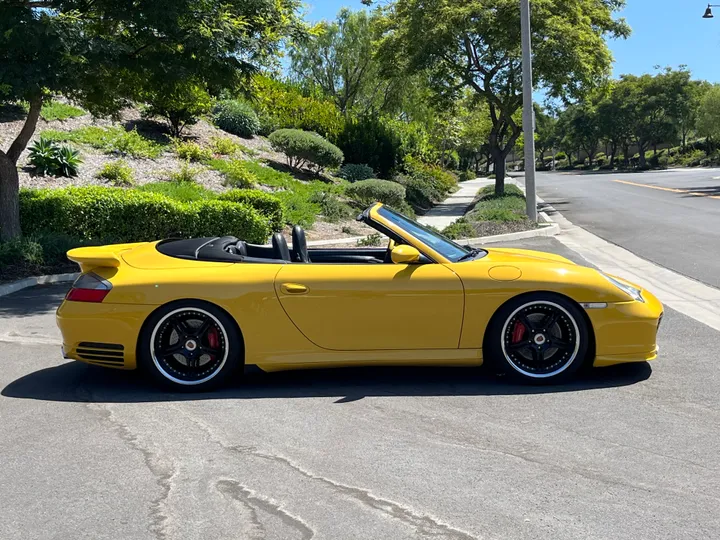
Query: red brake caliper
213,338
518,332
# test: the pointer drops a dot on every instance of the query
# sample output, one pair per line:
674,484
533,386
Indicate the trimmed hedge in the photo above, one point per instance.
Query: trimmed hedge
303,147
236,117
374,190
134,216
265,203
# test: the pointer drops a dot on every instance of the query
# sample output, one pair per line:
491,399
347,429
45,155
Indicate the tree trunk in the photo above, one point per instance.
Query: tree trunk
499,163
9,178
9,200
613,149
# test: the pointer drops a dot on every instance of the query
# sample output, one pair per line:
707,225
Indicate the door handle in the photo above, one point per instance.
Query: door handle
293,288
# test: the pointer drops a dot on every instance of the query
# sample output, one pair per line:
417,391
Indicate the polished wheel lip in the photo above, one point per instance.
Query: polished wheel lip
565,365
175,379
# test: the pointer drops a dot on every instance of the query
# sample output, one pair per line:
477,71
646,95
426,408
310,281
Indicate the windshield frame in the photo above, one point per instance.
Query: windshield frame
442,250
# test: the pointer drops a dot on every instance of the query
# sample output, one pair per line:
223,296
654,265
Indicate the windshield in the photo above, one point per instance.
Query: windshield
447,248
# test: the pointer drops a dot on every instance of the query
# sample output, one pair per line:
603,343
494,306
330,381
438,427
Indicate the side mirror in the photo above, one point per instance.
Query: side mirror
405,254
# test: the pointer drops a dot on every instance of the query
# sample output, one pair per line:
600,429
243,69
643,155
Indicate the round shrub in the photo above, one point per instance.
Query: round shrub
306,147
236,117
127,215
265,203
374,190
353,172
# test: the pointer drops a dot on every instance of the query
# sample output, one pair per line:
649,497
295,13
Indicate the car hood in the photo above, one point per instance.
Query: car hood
510,256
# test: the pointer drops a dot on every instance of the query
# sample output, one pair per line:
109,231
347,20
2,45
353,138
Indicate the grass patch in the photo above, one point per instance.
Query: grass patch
302,200
111,140
179,191
235,172
56,110
186,175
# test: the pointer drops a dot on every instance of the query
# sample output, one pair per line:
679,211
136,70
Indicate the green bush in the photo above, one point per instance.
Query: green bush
56,160
333,209
118,173
265,203
460,229
560,156
371,240
283,105
236,117
466,175
223,146
186,175
179,191
111,140
369,191
235,172
30,254
425,184
306,147
352,172
191,151
369,140
128,215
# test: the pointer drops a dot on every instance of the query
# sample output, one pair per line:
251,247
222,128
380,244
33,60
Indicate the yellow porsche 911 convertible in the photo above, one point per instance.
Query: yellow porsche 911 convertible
194,312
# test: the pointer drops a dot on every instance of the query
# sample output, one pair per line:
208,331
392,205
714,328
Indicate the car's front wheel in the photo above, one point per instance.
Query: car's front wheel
540,337
190,346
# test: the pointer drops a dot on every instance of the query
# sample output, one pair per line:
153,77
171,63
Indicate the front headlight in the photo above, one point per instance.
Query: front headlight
632,292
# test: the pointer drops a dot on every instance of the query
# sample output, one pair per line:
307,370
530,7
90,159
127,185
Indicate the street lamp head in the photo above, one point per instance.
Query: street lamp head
708,13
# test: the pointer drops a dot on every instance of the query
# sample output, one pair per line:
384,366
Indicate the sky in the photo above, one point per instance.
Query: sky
664,33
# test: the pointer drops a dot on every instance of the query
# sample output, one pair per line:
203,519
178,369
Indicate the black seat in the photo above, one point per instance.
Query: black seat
280,248
300,249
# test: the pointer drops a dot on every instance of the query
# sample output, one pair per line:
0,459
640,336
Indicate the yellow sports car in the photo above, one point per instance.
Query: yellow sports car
194,312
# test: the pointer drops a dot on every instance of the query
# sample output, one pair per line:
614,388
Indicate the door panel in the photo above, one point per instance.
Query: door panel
373,306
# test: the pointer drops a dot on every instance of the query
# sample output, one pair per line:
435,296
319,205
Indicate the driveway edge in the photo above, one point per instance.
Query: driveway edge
15,286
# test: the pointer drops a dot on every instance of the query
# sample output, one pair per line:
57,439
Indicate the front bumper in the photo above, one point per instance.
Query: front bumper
101,334
626,331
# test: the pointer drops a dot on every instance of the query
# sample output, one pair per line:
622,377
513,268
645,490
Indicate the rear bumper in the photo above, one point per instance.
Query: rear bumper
101,334
626,331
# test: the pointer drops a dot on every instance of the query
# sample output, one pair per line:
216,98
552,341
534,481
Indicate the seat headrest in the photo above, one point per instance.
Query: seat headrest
300,249
280,247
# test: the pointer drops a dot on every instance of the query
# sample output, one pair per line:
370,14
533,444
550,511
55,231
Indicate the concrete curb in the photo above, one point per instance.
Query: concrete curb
9,288
549,230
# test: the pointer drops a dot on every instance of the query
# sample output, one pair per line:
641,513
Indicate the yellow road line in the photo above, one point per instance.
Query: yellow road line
673,190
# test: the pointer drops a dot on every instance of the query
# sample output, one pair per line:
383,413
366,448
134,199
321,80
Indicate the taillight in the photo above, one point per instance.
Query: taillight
89,288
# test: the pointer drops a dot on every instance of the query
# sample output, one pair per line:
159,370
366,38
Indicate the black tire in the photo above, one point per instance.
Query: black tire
541,338
190,346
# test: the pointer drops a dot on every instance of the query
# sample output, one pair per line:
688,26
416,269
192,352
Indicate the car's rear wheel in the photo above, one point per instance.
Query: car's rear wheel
190,346
540,338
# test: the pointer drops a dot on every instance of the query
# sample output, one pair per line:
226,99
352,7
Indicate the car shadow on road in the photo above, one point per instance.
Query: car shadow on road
76,382
33,301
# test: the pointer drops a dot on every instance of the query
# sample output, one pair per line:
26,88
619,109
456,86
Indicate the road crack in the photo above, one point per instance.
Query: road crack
253,502
425,526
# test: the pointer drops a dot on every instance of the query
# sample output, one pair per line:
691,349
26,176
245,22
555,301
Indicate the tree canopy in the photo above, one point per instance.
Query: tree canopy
106,53
476,44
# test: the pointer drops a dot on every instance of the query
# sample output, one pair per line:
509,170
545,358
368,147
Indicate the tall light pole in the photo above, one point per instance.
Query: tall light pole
528,116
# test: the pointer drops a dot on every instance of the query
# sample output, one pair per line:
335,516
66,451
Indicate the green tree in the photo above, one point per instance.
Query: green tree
546,136
708,119
106,53
339,58
614,124
475,44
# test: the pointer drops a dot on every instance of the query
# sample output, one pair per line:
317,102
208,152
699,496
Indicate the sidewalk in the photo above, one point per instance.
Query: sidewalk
454,207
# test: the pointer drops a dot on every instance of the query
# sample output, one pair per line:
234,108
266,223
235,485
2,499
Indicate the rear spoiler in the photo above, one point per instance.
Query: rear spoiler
99,256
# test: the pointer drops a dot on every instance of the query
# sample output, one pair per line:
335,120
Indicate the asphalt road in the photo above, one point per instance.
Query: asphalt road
676,226
624,453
